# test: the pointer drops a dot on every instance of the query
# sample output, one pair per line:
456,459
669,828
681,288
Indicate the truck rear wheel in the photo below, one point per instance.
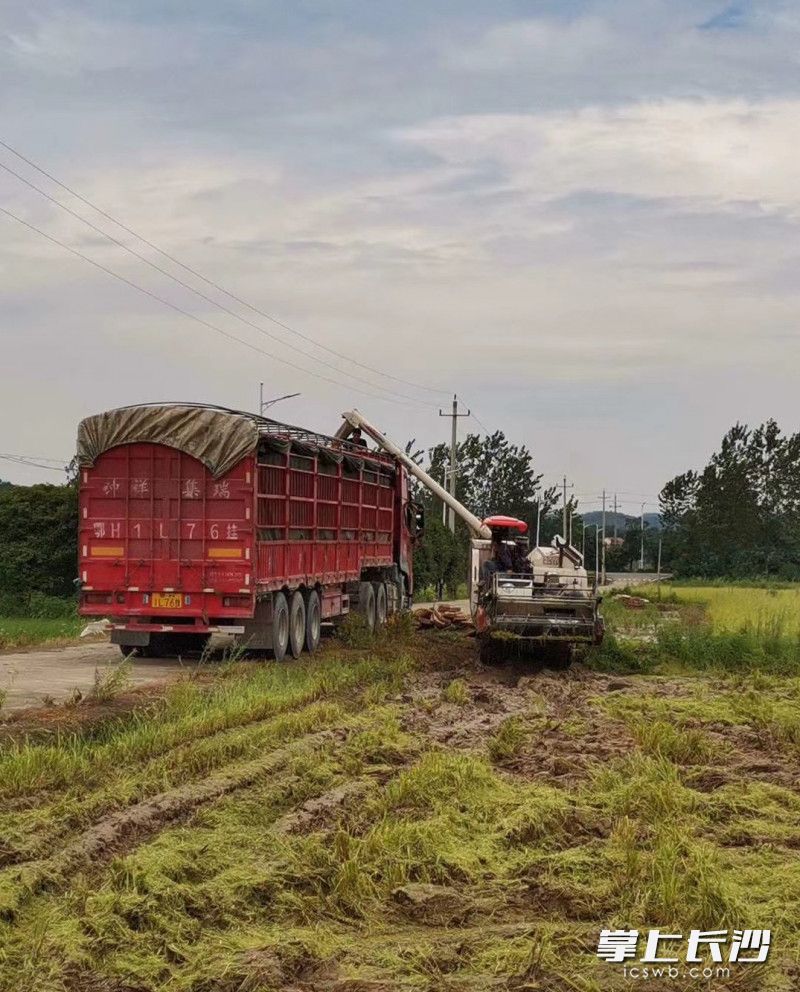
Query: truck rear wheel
280,626
297,624
366,603
313,621
380,604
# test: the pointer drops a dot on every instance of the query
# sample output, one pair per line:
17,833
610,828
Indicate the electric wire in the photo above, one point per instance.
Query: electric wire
23,460
194,317
211,282
192,289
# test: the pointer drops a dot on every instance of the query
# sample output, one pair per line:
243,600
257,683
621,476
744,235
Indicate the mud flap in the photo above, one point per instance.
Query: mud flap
131,638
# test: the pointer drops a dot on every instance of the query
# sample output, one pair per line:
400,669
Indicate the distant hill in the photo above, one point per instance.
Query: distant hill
623,520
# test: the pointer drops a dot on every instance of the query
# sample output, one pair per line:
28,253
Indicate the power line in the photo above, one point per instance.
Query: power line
477,419
199,275
192,316
24,460
192,289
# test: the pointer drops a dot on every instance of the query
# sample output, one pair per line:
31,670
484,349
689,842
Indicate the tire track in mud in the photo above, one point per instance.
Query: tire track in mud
56,831
123,830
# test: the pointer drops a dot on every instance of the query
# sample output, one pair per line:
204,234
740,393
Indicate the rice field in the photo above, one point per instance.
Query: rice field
396,816
731,608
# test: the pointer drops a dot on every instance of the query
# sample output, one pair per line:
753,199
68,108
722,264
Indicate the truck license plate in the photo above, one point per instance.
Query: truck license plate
167,600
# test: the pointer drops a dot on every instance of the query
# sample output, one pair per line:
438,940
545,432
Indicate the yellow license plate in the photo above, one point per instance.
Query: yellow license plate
167,600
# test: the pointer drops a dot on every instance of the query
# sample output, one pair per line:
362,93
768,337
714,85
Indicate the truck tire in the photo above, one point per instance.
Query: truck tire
366,603
127,651
297,624
380,604
280,626
313,621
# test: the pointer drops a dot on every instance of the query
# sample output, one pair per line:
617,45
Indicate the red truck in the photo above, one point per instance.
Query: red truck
196,520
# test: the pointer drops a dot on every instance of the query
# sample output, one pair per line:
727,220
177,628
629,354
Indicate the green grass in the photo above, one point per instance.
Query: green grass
17,632
229,898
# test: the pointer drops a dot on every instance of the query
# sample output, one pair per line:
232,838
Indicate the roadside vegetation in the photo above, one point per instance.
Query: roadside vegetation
725,629
391,815
18,632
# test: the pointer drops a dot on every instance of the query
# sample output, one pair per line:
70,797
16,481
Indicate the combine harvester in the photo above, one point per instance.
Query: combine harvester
197,520
547,606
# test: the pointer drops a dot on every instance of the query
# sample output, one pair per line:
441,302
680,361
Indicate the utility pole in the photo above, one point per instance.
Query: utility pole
615,518
565,530
603,572
453,456
641,554
538,520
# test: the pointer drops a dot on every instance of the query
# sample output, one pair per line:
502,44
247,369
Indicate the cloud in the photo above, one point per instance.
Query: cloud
720,152
558,216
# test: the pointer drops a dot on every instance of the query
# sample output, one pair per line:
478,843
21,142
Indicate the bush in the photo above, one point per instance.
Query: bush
37,606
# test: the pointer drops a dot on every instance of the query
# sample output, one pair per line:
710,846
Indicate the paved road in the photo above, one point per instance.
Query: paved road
29,677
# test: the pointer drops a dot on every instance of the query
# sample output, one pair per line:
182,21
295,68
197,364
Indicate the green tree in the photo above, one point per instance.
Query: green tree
740,515
38,550
494,476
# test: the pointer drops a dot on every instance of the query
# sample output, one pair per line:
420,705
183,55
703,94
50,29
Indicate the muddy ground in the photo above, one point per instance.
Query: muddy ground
437,825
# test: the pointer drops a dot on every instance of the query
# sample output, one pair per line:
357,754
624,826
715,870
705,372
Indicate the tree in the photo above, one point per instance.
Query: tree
740,515
494,476
39,550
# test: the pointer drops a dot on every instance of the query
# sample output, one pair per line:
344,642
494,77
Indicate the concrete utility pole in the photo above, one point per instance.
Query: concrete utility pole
565,533
453,456
615,517
603,572
641,554
538,520
596,553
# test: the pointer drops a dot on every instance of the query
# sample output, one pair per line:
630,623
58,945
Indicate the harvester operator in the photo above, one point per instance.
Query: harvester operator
501,561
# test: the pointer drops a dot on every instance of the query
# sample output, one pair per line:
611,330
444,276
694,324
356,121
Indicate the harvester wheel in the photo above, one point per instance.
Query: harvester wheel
380,604
297,624
280,626
490,652
313,621
558,655
366,603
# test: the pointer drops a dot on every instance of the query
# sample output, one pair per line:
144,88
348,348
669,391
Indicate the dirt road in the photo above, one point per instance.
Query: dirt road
31,677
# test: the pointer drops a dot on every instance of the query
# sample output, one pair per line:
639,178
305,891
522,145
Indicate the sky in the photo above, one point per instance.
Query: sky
581,217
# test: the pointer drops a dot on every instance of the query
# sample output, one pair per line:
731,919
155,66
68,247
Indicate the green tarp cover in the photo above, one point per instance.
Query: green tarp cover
216,438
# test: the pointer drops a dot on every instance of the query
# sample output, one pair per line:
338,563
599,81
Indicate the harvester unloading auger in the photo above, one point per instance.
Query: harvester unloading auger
544,601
